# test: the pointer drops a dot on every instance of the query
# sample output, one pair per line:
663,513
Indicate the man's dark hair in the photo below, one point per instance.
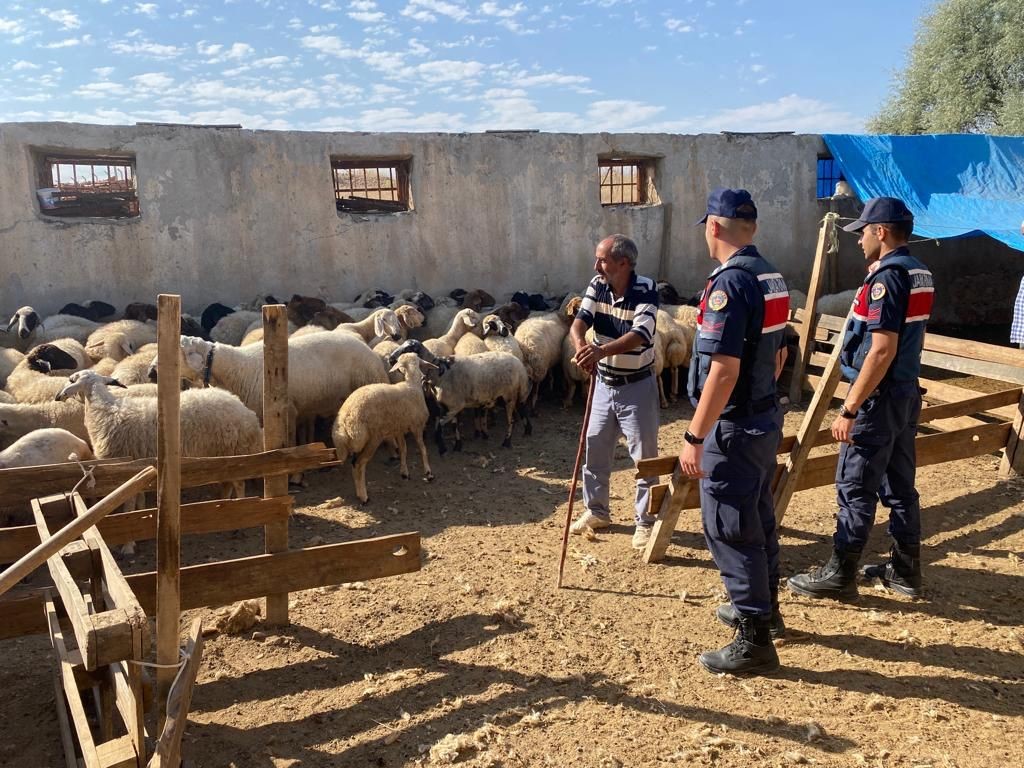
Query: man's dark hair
621,247
901,229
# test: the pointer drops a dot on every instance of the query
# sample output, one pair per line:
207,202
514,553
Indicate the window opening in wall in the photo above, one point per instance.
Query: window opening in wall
829,174
625,181
87,185
371,186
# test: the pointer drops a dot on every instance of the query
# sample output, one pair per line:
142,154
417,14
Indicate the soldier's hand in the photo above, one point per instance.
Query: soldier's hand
842,429
690,460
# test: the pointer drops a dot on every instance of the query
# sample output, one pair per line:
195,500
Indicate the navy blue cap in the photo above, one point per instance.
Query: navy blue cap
730,204
881,210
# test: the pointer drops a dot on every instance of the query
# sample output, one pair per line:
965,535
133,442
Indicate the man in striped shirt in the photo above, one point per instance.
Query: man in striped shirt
620,306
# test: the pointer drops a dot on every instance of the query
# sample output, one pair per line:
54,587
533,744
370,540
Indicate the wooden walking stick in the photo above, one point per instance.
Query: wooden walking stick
575,474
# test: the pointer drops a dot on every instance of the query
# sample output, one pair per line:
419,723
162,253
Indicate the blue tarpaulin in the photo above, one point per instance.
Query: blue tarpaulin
957,185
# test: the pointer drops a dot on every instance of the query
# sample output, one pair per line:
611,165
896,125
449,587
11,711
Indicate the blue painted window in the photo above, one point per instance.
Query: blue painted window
829,173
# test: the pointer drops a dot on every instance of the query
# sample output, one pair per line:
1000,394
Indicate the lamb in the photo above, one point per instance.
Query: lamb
463,322
231,329
540,337
9,359
382,322
325,368
379,412
119,339
59,355
44,446
498,337
479,381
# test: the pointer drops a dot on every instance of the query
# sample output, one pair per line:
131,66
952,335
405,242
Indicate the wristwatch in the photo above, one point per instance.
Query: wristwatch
692,439
846,413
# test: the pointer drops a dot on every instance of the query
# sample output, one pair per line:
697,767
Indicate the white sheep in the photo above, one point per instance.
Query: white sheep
438,319
231,329
30,386
464,322
26,329
498,337
836,304
469,344
58,355
119,339
9,358
479,381
19,419
6,397
379,412
254,333
44,446
677,344
540,337
324,369
409,317
572,374
382,322
134,369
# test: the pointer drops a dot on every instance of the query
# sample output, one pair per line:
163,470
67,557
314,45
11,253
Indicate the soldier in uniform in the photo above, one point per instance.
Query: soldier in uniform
734,435
877,423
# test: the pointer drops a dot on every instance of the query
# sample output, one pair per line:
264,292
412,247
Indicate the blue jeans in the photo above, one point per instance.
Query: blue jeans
632,411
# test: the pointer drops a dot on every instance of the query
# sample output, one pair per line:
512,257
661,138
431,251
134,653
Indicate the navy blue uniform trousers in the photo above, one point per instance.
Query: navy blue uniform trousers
738,511
880,464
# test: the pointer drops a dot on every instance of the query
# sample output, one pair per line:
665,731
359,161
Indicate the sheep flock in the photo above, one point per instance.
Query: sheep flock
362,374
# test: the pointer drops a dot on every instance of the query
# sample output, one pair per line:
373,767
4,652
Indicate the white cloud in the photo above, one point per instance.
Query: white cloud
66,19
294,23
21,65
103,72
146,9
620,114
493,9
144,48
677,25
788,113
367,17
362,5
551,78
217,53
153,81
272,62
330,45
446,70
70,42
424,10
99,90
11,26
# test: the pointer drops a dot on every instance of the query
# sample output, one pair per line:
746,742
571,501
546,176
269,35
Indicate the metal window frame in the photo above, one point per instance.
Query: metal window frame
641,170
112,197
834,176
344,179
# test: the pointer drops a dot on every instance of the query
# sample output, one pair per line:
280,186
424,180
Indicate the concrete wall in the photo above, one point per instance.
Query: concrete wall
230,214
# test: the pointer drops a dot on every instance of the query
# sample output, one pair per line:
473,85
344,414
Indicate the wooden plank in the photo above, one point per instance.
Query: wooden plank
66,739
101,637
55,542
117,753
1013,455
198,518
982,368
168,747
128,700
82,733
826,233
975,350
682,493
168,496
226,582
17,486
275,435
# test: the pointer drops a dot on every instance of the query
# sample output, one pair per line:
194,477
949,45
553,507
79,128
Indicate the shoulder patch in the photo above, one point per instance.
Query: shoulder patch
717,301
877,291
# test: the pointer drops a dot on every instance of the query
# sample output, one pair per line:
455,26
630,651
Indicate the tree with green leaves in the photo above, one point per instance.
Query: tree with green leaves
964,72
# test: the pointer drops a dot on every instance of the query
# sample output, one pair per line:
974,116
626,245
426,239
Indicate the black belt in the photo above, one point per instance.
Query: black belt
749,408
629,378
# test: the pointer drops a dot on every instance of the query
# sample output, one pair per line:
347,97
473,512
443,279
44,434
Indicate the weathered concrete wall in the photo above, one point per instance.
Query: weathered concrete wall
230,214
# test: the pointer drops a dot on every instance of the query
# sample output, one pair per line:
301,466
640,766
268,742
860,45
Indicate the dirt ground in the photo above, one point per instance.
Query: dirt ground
479,660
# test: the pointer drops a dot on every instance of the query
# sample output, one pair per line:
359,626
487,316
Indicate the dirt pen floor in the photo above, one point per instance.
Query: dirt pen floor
477,660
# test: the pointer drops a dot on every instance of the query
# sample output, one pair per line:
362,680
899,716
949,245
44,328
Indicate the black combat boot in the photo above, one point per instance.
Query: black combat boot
750,653
902,571
837,578
728,615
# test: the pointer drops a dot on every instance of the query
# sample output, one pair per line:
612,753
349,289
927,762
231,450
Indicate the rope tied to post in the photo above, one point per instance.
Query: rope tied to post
87,474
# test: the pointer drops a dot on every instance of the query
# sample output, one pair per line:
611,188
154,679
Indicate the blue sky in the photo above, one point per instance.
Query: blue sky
688,66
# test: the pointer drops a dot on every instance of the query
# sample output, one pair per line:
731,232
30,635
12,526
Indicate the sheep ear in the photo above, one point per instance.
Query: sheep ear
470,320
126,347
14,321
378,326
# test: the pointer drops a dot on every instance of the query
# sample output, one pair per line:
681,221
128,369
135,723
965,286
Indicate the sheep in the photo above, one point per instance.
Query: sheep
330,318
134,369
572,374
119,339
512,314
31,330
437,320
379,412
479,381
93,310
301,309
325,368
837,304
212,315
6,397
231,329
797,299
498,337
254,333
44,446
469,344
477,299
30,386
19,419
382,322
9,359
141,311
677,344
540,337
59,355
409,317
465,320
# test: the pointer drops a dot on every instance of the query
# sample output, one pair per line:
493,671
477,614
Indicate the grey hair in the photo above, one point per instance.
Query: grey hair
621,247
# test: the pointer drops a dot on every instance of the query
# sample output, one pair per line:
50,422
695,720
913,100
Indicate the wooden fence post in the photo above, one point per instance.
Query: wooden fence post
825,235
168,496
1013,454
276,425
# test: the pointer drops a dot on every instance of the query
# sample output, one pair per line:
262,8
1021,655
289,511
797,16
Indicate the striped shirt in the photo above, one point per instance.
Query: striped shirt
613,317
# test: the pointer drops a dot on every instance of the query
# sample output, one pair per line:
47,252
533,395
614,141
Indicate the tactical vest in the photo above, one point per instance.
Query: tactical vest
755,388
906,366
